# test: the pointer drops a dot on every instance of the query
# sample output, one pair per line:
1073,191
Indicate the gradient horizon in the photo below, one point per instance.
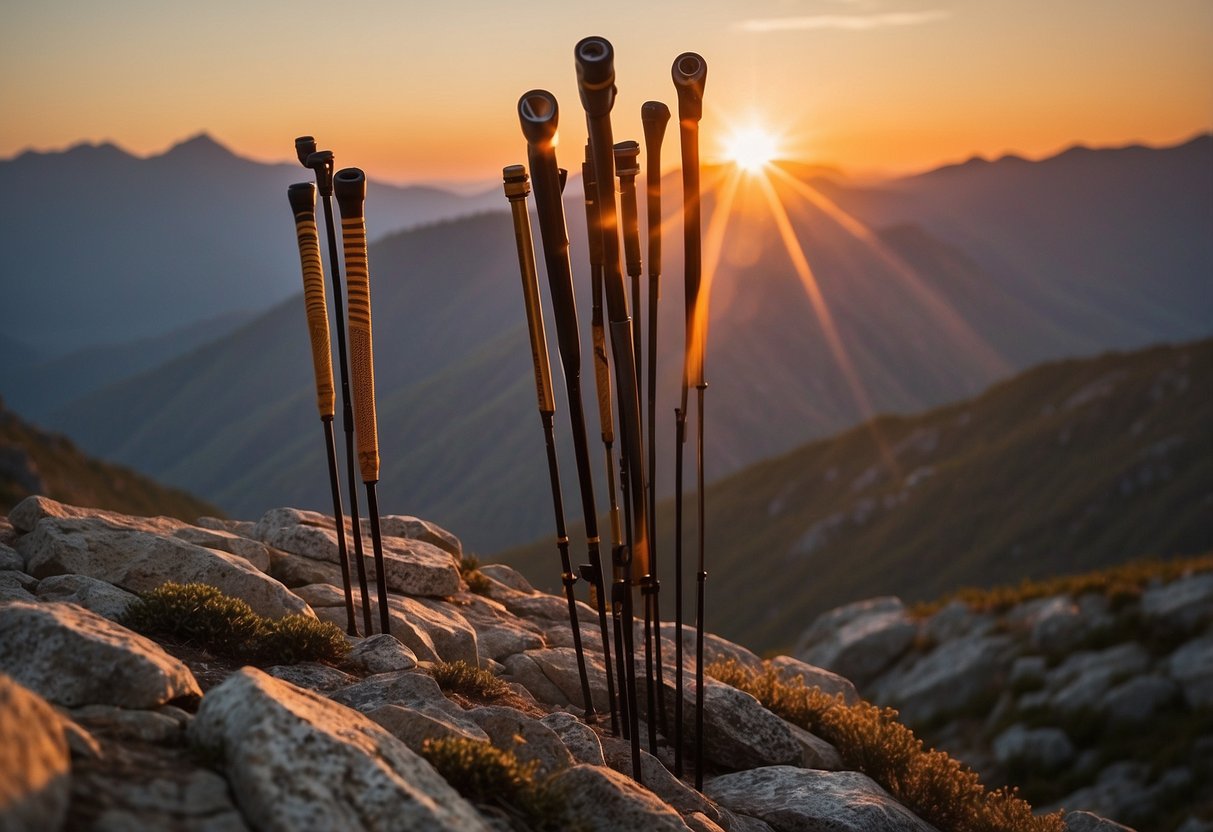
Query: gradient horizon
428,94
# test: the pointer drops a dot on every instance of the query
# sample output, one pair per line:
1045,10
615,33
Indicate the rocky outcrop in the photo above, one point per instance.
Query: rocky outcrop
296,759
317,746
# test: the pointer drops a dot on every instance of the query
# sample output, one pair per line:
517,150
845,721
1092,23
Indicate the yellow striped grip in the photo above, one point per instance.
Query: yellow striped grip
362,359
349,186
303,201
602,378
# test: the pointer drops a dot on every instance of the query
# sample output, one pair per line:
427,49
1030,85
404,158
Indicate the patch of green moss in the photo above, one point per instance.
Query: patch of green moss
464,679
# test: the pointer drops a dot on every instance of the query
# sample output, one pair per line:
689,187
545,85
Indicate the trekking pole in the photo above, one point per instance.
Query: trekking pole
654,115
321,163
538,115
303,204
689,73
596,83
350,187
517,188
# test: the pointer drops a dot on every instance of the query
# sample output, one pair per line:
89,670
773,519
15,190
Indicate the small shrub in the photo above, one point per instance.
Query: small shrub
462,678
936,787
491,776
477,581
202,616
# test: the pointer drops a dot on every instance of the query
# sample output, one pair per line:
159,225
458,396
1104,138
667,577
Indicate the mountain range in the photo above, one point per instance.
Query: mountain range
1067,467
936,286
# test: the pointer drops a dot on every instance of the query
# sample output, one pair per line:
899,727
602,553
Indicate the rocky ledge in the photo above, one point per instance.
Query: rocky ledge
102,728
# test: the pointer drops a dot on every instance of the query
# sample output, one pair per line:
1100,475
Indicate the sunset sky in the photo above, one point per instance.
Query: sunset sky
426,91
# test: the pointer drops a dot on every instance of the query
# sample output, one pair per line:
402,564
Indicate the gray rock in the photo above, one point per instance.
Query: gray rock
1060,625
1082,680
956,619
410,689
140,561
34,757
412,567
597,799
329,595
1194,824
297,760
381,653
579,738
105,599
737,731
244,528
527,737
557,680
315,677
699,822
402,525
434,631
1043,748
1138,699
951,676
715,648
1192,667
657,778
507,575
297,571
524,671
867,638
255,552
1027,669
123,723
17,586
1088,822
26,514
10,558
789,668
413,727
816,752
1183,605
499,634
74,657
734,822
803,800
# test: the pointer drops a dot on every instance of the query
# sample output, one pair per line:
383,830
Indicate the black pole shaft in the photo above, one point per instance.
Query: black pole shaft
679,444
372,507
347,409
339,515
702,577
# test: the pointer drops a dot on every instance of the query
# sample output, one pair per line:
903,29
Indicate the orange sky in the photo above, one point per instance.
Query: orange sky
426,92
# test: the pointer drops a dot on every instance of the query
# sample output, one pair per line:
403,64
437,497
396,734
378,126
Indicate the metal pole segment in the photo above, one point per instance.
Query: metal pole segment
689,73
349,186
627,167
517,187
302,198
538,115
596,82
679,444
321,163
654,116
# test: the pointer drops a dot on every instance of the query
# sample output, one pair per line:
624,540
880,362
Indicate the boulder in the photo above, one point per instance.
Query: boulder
802,800
140,561
10,558
74,657
17,586
413,727
407,688
380,653
866,638
34,758
26,514
255,552
552,676
956,619
507,575
1138,698
597,799
1192,667
1180,606
413,528
1088,822
526,736
580,739
315,677
789,668
715,648
1040,748
498,633
816,752
1083,678
105,599
124,723
657,778
951,676
297,760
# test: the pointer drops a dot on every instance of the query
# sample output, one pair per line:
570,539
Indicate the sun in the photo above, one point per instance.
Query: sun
751,148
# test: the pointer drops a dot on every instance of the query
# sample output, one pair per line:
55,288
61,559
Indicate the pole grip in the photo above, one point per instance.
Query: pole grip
627,168
517,187
655,116
302,197
349,186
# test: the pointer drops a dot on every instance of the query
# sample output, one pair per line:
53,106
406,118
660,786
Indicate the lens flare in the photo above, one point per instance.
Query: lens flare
751,148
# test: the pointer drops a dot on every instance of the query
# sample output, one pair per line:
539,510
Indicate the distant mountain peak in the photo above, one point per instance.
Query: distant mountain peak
199,146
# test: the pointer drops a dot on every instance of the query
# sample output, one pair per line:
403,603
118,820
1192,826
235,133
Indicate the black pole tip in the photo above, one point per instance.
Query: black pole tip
539,115
349,186
302,196
690,72
595,59
655,116
627,158
304,146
